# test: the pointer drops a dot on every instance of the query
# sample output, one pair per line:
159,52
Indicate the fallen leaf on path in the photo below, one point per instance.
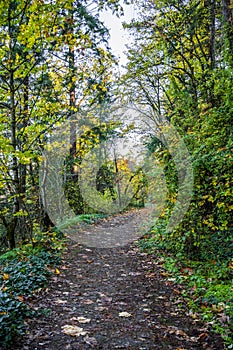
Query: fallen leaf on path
101,308
74,331
203,336
87,301
176,291
165,274
20,298
124,314
83,319
134,273
182,333
174,330
64,267
150,275
59,301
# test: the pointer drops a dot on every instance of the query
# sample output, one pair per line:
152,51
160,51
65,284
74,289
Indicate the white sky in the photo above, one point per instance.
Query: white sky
119,37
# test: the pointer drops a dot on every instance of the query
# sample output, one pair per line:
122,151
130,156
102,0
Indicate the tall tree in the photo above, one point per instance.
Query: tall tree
184,49
39,76
227,11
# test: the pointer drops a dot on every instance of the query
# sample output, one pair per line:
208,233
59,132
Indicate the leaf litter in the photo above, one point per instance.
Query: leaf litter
114,298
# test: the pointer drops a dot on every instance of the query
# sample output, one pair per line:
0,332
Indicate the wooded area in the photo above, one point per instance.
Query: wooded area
55,62
181,68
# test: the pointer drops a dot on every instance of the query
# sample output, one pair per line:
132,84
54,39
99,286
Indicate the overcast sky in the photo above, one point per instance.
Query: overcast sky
119,37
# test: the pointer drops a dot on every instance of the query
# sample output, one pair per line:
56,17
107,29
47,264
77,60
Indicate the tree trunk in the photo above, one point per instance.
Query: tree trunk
228,17
212,33
14,168
72,98
23,167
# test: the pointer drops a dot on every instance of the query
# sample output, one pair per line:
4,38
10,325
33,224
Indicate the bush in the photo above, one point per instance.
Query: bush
24,271
12,315
207,284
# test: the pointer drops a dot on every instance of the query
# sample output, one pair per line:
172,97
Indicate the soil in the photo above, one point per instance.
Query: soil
114,298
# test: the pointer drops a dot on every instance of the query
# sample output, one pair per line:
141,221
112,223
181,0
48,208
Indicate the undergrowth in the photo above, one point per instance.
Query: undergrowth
80,219
206,280
25,271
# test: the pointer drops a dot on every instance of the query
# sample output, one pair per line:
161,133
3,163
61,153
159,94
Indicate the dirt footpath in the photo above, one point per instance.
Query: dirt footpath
114,298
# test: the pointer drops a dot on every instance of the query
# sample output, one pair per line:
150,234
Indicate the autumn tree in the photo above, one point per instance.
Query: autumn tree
48,52
180,71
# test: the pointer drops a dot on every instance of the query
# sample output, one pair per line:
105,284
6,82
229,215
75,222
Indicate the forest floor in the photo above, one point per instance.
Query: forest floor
114,298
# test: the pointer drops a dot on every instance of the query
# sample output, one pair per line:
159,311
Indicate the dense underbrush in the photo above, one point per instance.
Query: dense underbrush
24,272
205,279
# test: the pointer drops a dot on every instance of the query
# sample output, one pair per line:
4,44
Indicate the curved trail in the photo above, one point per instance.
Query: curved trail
114,298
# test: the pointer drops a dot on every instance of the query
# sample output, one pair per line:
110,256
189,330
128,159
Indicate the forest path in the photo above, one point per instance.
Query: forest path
114,298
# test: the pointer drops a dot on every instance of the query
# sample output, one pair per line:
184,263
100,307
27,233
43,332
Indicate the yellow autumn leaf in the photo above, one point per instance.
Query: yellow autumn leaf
57,272
5,276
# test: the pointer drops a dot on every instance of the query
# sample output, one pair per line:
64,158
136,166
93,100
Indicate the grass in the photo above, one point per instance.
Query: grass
79,219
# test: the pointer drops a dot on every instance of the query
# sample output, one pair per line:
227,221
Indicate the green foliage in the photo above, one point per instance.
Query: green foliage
25,271
207,285
155,239
50,241
24,277
218,247
182,76
98,131
79,219
12,315
39,71
218,293
91,218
